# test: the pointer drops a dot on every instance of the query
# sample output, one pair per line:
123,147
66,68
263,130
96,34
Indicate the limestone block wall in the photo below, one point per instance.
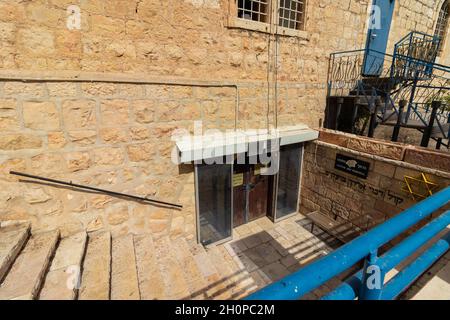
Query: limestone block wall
381,195
117,136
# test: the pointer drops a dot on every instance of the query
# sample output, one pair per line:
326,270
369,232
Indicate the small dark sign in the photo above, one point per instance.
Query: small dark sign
351,165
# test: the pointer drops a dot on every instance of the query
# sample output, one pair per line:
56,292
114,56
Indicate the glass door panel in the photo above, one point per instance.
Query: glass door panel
288,180
214,202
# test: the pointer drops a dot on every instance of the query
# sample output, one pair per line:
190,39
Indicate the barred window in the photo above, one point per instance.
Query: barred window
442,23
287,14
292,14
256,10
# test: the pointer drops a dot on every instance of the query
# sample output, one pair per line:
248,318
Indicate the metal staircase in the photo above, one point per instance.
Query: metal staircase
409,90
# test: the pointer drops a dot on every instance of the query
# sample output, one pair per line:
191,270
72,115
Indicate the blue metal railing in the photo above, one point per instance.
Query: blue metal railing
366,247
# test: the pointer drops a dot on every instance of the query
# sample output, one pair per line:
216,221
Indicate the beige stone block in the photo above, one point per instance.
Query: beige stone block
95,224
144,111
77,161
108,156
19,141
141,152
36,195
8,115
113,135
158,92
121,49
175,111
100,201
98,89
83,137
131,90
68,43
158,226
32,90
47,163
115,112
182,92
7,32
62,89
36,40
56,140
12,12
40,115
106,26
117,214
79,114
139,133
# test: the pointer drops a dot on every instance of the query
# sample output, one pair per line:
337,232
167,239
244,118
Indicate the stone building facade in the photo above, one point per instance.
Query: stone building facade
97,103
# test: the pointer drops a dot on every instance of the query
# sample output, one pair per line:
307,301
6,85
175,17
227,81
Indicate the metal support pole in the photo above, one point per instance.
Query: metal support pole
398,125
373,118
439,144
435,105
373,278
340,102
355,114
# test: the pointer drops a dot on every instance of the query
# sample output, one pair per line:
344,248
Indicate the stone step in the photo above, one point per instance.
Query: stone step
175,286
215,286
96,271
124,278
229,281
28,271
63,279
196,283
151,283
12,240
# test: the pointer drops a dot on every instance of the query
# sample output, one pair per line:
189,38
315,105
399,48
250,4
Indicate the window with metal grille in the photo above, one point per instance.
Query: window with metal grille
291,14
256,10
442,23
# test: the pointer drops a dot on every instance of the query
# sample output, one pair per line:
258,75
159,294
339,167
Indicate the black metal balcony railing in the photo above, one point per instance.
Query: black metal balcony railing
409,75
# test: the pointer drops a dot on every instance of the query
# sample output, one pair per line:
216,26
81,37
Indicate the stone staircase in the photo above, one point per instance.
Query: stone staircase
45,266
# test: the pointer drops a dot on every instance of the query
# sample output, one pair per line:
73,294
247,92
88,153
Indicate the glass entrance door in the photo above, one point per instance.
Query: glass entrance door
288,180
214,202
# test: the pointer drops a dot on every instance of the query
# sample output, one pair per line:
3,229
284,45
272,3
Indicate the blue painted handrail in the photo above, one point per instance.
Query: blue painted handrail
295,285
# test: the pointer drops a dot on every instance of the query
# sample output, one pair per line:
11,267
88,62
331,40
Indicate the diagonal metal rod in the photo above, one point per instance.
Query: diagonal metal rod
95,189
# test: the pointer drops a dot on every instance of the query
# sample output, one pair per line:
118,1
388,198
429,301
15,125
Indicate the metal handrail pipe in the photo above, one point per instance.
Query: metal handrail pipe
317,273
349,290
408,275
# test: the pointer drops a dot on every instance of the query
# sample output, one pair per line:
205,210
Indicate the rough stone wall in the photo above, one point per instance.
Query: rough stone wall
115,136
381,195
176,37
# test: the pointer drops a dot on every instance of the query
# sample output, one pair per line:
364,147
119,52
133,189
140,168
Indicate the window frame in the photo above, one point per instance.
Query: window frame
446,27
271,27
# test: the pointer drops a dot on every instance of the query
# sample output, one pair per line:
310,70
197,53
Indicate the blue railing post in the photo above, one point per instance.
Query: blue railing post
373,278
